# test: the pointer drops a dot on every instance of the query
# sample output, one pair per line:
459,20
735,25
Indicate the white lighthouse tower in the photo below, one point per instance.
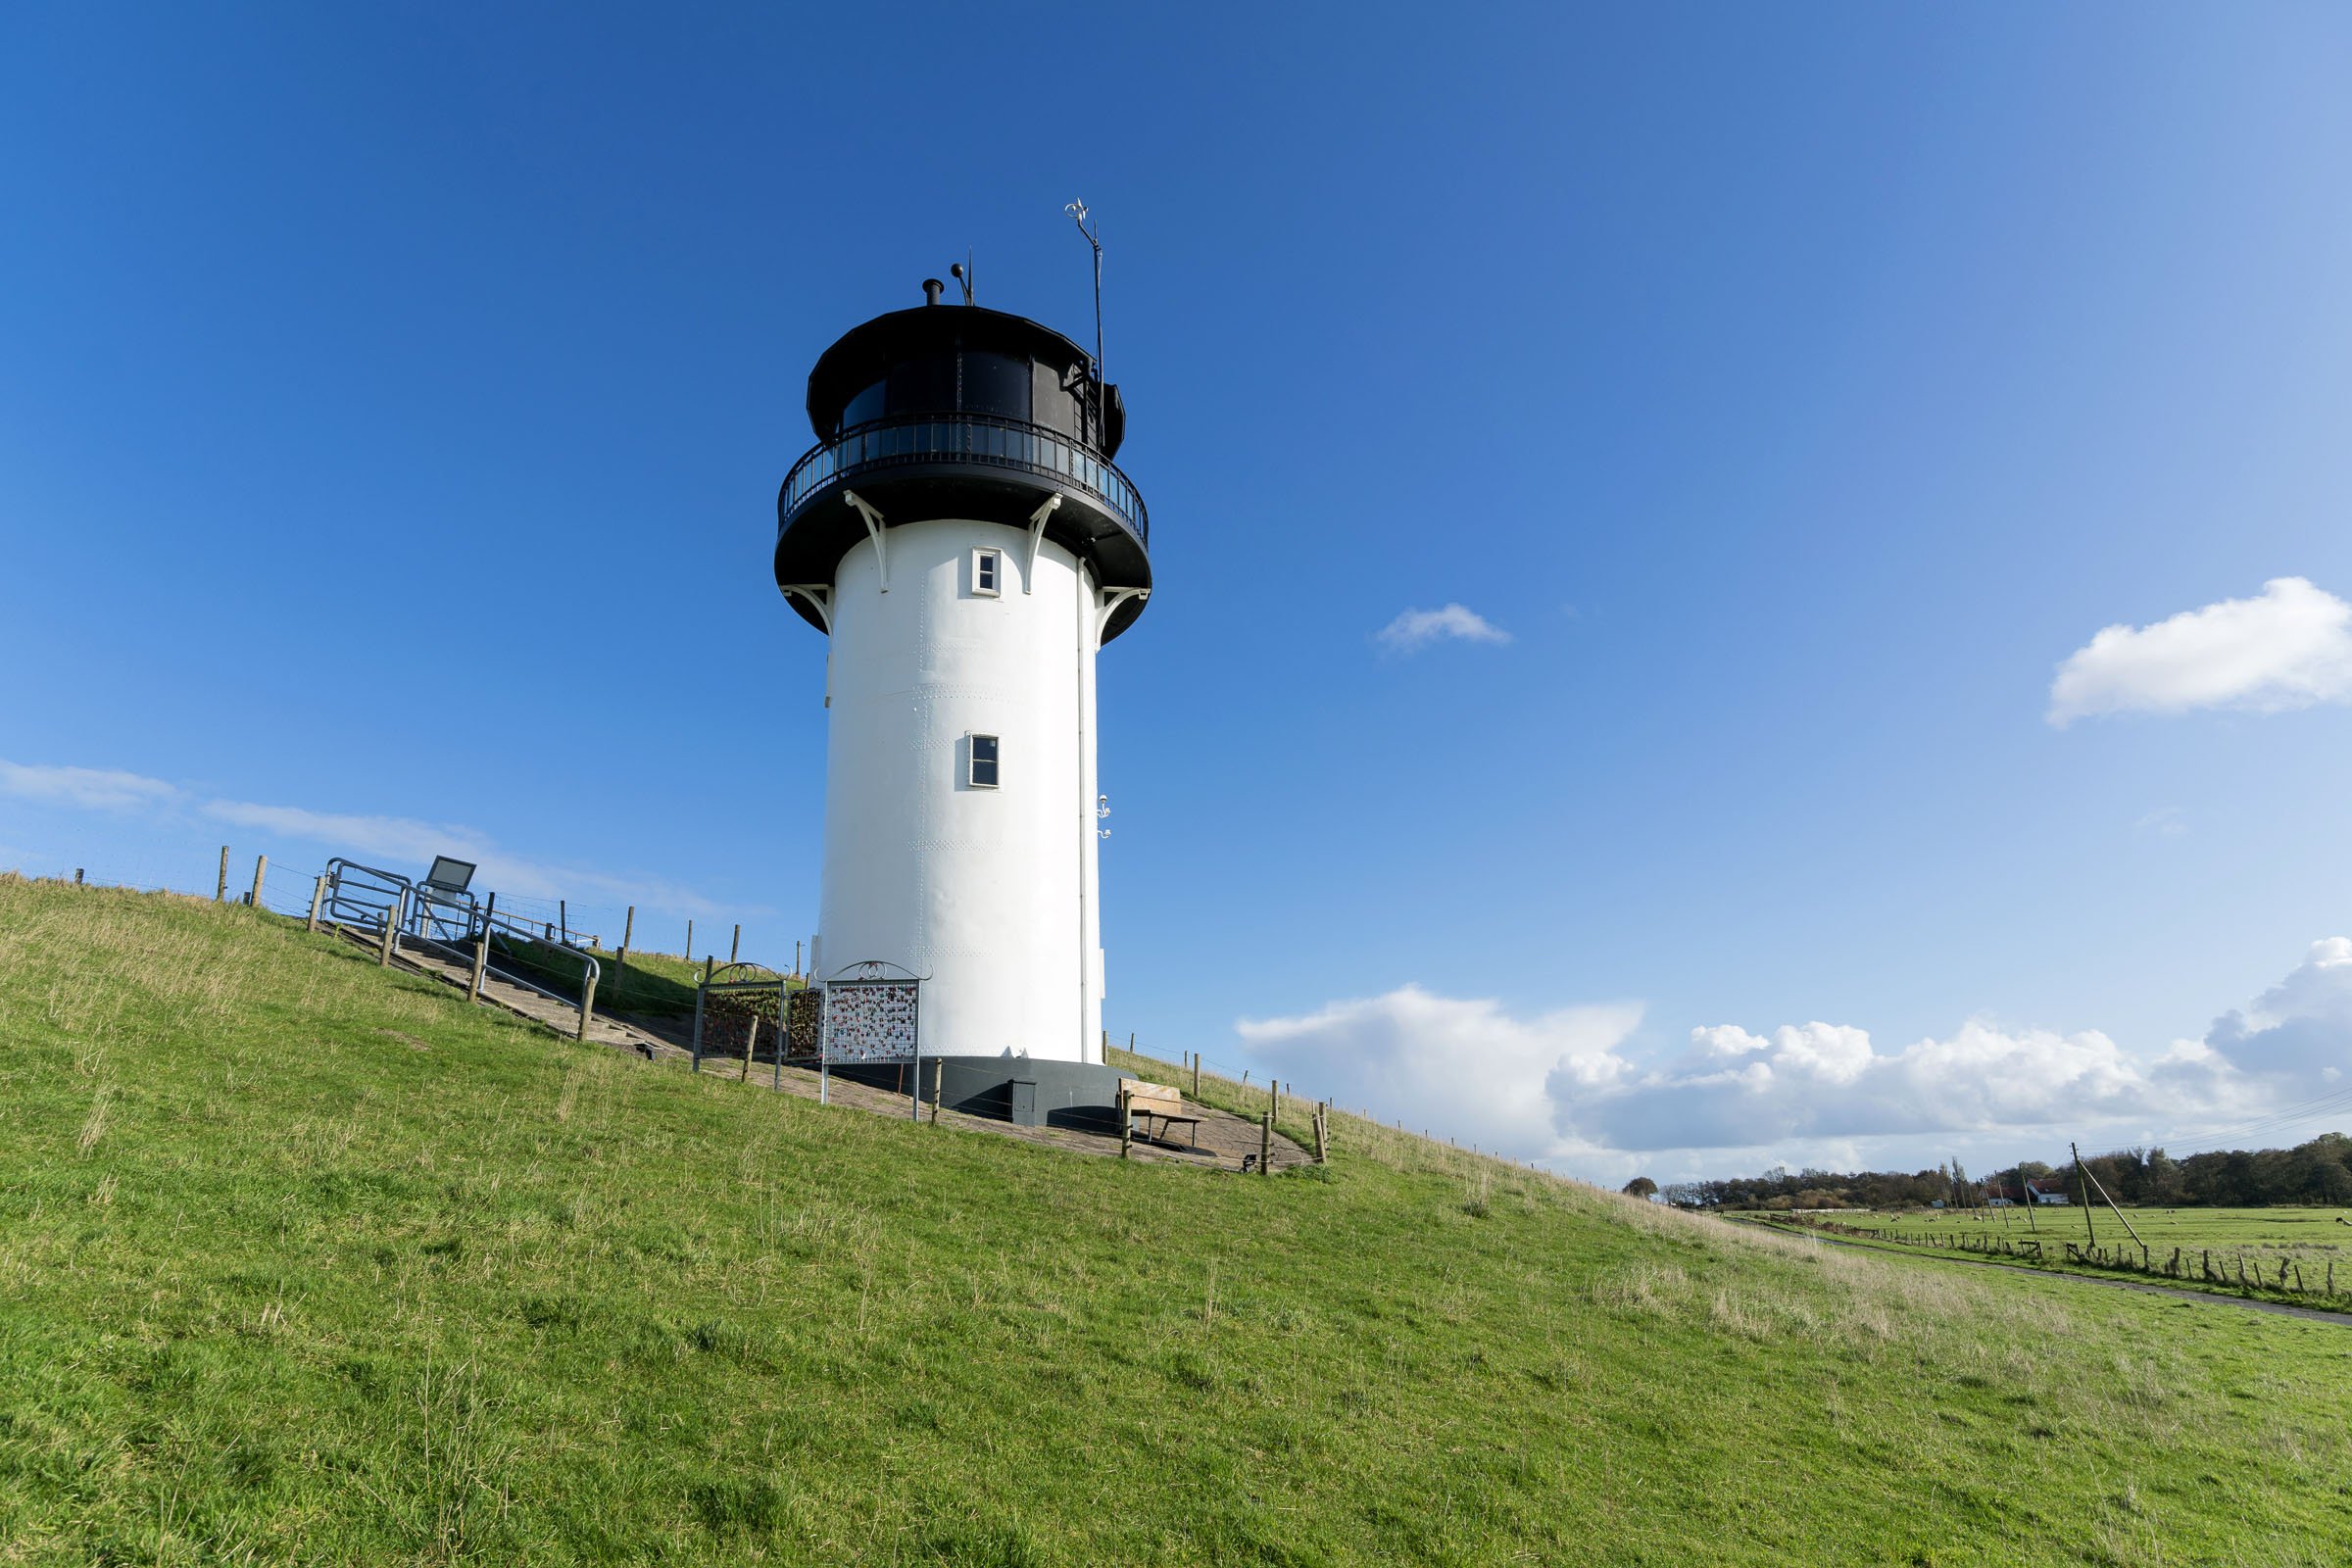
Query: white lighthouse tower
960,534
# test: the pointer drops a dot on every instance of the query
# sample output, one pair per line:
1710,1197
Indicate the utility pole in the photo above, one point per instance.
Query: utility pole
2083,1180
2111,1205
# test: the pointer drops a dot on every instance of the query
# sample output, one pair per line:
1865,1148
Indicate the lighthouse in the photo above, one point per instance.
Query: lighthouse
961,536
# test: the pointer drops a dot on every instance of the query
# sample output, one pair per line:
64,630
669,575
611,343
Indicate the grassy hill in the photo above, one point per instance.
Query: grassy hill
304,1263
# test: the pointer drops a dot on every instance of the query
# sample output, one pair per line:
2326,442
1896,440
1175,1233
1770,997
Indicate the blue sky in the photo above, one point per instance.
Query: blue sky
392,407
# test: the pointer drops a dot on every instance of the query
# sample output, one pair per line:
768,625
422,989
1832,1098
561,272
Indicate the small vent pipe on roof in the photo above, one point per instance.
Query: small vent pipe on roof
933,288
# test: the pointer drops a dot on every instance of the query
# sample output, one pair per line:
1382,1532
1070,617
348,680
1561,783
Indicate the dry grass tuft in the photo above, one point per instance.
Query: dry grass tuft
93,1127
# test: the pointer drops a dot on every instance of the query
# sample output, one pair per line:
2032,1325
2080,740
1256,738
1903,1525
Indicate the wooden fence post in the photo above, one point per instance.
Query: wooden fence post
1265,1142
563,921
220,891
384,949
690,941
318,897
587,1000
1126,1124
735,944
77,877
628,929
698,993
261,863
482,962
939,1078
1196,1076
1322,1111
749,1036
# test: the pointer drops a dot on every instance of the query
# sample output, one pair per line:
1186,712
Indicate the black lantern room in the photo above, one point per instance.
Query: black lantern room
953,410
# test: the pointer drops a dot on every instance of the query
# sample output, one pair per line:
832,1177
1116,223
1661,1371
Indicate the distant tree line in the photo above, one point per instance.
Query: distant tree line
2316,1172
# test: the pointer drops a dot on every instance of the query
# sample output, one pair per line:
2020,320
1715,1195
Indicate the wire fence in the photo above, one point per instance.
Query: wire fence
2231,1269
1247,1092
287,889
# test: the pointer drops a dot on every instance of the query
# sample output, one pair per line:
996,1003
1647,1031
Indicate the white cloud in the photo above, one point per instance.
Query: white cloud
1418,628
2301,1026
2290,647
1817,1081
396,840
91,788
1569,1086
387,838
1835,1052
1464,1068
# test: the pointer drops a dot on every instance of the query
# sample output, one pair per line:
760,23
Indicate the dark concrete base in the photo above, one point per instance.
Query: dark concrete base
1014,1088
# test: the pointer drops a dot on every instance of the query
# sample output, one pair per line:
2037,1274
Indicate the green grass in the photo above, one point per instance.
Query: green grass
2261,1239
302,1261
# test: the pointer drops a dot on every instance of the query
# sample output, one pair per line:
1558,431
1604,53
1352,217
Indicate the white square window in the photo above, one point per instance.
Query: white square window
988,573
981,773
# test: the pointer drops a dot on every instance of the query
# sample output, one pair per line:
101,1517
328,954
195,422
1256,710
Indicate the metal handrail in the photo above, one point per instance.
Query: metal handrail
425,916
528,931
341,906
984,438
411,915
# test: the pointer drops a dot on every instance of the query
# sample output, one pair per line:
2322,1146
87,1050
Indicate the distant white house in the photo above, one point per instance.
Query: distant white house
2051,1191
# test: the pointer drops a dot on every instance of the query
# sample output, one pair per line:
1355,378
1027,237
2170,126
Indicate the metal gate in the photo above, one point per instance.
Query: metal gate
743,990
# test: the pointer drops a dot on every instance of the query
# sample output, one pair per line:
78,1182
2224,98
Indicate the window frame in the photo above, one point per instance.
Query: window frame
971,761
995,556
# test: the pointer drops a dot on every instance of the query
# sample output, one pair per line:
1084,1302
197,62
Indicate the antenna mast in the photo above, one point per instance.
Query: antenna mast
1094,237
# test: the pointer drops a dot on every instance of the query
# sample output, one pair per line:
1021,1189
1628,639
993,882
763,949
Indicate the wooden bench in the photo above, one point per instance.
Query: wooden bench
1156,1102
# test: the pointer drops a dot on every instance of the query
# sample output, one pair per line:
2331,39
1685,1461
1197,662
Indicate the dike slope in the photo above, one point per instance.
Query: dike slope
306,1262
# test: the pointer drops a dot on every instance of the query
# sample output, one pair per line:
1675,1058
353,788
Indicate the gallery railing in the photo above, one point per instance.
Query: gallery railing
908,440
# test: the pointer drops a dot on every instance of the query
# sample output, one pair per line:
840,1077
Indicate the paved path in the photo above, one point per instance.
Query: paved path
562,1017
1225,1138
2212,1297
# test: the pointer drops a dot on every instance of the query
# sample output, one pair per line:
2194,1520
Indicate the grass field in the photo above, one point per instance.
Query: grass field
2259,1238
2308,1234
302,1261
